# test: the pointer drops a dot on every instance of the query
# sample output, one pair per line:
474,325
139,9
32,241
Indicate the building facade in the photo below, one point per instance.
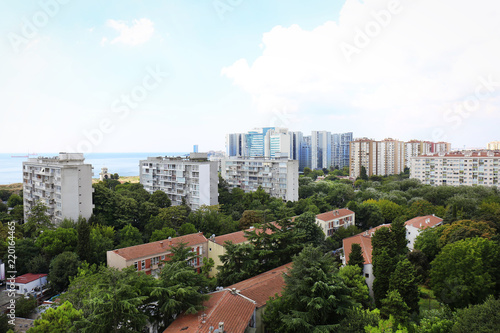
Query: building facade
62,183
321,149
416,148
416,225
341,148
192,178
279,176
494,145
149,257
331,221
469,168
386,157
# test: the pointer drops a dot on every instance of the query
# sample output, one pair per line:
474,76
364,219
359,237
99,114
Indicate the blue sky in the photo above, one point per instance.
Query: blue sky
117,76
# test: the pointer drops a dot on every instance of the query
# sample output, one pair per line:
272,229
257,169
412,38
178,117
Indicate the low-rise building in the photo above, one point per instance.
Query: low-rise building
237,308
278,176
149,257
468,168
331,221
364,239
62,183
417,224
194,179
30,283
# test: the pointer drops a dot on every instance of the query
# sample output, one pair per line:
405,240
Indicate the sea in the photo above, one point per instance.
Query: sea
124,164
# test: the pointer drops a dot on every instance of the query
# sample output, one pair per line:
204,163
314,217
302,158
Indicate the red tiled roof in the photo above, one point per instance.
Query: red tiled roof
149,249
237,237
261,287
423,222
223,306
28,277
365,240
332,215
234,310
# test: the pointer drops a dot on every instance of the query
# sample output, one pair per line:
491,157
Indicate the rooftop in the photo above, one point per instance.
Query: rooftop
334,214
423,222
233,307
365,240
158,247
28,277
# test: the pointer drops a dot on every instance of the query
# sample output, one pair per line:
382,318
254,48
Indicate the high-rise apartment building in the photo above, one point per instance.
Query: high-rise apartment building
194,179
386,157
278,176
457,168
494,145
305,153
341,148
415,148
62,183
277,141
236,144
321,149
296,138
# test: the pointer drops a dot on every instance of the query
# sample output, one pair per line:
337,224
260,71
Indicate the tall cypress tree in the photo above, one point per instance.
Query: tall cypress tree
384,258
356,256
83,243
398,231
404,280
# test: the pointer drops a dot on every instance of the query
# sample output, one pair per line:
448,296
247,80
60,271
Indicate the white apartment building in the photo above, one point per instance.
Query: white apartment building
386,157
279,176
457,168
193,178
63,183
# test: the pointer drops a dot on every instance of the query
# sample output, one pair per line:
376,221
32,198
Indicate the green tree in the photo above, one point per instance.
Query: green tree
398,232
162,234
308,230
187,228
14,200
59,320
62,268
362,174
315,298
428,242
395,306
129,236
239,263
250,218
356,256
480,318
353,278
54,242
37,221
38,264
26,250
403,279
83,246
466,272
180,290
211,220
25,306
101,241
160,199
5,327
465,229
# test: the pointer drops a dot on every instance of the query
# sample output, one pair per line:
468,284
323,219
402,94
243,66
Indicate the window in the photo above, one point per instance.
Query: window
367,275
143,264
136,265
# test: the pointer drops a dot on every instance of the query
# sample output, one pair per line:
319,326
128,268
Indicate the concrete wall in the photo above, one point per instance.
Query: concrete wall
214,251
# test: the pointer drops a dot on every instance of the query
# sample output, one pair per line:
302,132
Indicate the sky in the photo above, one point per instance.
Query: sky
146,76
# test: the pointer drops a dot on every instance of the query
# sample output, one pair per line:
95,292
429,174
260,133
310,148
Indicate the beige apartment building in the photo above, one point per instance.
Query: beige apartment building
415,148
62,183
494,145
386,157
457,168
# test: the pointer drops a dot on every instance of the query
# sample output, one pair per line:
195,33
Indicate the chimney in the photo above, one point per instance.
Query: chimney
161,244
221,326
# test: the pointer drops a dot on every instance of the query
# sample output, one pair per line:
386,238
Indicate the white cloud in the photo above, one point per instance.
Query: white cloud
138,33
411,62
